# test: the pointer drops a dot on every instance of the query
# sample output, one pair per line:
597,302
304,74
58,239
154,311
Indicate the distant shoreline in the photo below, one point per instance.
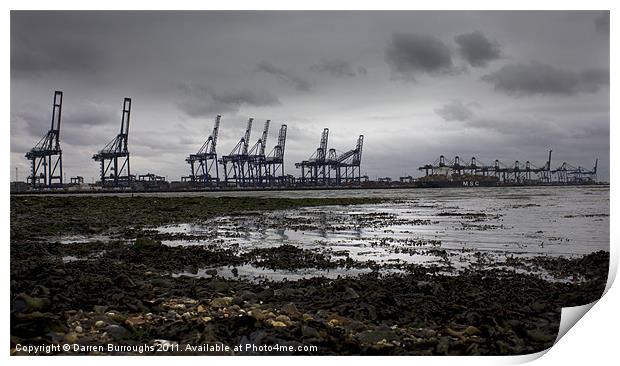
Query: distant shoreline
283,189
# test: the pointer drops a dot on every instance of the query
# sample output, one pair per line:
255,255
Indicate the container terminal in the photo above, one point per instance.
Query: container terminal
255,167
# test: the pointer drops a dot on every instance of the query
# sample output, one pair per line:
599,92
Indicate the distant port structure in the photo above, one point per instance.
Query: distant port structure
253,167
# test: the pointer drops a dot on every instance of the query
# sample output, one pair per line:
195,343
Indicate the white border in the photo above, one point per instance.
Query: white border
592,341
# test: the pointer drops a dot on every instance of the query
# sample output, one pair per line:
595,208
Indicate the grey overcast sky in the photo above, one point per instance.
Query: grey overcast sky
417,84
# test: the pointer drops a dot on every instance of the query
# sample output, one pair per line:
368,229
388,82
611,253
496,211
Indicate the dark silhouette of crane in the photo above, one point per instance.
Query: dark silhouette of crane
257,158
114,157
203,164
274,162
46,155
236,164
346,166
315,170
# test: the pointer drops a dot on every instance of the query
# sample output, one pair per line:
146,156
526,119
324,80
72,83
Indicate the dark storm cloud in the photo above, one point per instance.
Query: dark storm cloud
38,121
284,76
409,54
102,56
477,49
593,79
92,139
338,68
539,78
204,101
90,114
66,56
602,23
456,110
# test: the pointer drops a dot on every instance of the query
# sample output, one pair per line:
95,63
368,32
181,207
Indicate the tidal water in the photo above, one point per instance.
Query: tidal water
424,226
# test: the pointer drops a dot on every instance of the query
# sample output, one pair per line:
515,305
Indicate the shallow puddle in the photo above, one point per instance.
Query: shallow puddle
457,228
447,227
256,274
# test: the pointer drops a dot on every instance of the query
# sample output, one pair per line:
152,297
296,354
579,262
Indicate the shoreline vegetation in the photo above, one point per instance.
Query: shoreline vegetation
121,285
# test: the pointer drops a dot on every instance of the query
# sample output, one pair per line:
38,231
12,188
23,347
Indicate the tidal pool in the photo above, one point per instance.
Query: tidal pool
454,228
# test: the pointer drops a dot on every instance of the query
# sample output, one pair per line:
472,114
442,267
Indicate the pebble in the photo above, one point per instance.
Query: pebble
350,294
377,335
333,322
115,331
309,332
471,330
283,318
71,337
291,310
539,336
79,329
220,302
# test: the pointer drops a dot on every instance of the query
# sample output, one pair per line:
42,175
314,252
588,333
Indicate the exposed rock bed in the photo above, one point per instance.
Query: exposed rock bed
122,290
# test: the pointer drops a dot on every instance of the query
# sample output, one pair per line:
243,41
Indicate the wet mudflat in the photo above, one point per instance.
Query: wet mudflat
392,272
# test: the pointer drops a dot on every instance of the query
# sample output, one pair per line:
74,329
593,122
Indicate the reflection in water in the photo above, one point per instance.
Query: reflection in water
425,226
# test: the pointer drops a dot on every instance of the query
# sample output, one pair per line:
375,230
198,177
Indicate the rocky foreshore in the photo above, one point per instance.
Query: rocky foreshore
138,295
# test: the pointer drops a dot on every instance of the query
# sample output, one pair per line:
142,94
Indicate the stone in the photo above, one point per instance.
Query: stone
538,336
116,331
100,309
145,243
277,324
291,310
24,303
260,315
444,346
538,307
220,302
133,321
99,324
350,294
333,322
79,329
283,318
356,326
124,281
247,295
377,335
309,332
471,331
71,337
218,285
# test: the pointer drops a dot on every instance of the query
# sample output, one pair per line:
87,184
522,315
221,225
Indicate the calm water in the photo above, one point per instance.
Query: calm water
422,224
454,227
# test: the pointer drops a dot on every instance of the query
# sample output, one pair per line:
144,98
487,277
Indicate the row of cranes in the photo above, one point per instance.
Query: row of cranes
328,167
245,166
516,172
